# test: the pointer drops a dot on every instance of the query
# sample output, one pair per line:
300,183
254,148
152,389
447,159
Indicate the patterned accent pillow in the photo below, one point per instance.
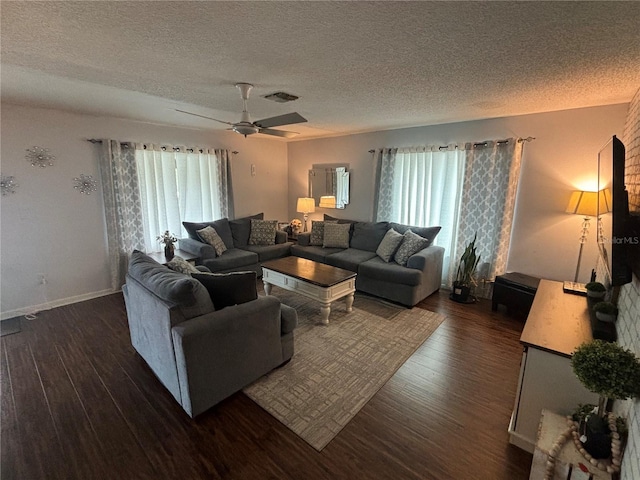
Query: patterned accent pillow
210,236
411,243
389,244
263,232
336,235
180,265
317,232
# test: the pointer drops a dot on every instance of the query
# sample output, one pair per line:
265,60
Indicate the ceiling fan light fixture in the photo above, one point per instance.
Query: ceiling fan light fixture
245,129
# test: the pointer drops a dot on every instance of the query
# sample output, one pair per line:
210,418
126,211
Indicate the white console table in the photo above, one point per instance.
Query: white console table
557,323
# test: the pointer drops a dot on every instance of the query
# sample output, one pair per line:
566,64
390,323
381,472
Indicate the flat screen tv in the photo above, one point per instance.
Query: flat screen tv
614,240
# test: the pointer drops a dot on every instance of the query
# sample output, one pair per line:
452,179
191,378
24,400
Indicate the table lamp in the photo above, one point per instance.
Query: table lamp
585,204
306,206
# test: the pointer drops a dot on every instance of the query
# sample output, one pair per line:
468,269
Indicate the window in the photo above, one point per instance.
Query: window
181,184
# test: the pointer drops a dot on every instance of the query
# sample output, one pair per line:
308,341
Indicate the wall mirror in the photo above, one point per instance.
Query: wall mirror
329,185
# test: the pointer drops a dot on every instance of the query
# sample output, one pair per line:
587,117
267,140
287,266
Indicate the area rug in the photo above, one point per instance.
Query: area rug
10,326
337,368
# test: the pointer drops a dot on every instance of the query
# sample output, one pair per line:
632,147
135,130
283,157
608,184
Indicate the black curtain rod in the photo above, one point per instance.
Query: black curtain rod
175,149
480,144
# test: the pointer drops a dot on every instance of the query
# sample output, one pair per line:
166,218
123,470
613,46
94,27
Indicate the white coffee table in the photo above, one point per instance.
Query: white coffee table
314,280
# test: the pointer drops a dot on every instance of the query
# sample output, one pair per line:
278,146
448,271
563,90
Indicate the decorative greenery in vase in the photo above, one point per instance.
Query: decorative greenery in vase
465,275
168,239
595,289
606,311
611,371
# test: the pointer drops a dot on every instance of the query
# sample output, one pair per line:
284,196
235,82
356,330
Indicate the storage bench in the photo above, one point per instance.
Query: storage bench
515,291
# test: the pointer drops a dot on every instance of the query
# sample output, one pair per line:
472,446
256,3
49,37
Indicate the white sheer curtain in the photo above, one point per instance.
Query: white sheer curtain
422,187
181,184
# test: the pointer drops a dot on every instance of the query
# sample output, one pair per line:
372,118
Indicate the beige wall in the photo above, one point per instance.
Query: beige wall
48,227
562,158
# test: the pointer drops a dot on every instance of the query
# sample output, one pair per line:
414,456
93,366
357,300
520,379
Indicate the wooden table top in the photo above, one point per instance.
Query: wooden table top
558,322
309,271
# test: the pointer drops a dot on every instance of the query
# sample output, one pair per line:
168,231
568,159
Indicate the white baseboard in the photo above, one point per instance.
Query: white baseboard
55,303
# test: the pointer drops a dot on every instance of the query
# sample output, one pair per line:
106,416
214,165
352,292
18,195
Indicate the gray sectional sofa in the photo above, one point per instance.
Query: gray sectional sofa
239,255
204,338
406,284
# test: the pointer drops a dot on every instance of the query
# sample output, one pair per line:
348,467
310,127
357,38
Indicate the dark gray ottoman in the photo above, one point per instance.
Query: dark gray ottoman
515,291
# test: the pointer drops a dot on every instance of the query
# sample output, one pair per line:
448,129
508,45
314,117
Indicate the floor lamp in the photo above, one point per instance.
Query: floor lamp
585,204
306,206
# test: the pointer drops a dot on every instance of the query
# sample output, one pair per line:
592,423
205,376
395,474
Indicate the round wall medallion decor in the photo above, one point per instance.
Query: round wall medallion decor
39,157
7,184
85,184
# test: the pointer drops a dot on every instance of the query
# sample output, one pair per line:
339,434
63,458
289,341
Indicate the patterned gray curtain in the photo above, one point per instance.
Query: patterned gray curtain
383,198
225,185
488,198
123,213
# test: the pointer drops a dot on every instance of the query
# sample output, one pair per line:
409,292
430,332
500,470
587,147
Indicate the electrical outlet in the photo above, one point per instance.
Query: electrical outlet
253,170
42,279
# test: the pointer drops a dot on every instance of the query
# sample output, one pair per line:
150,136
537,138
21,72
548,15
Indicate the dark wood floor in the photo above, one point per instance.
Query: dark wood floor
78,403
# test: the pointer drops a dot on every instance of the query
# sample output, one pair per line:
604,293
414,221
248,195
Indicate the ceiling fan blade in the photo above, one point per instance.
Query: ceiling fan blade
202,116
286,119
278,133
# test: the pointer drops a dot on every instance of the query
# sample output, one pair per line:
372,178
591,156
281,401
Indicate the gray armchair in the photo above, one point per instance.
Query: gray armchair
201,353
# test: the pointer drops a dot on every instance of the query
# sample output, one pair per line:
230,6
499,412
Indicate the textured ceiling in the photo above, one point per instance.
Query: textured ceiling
356,66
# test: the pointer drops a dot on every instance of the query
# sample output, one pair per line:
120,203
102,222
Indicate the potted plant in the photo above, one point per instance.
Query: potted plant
612,372
465,274
168,239
595,290
606,311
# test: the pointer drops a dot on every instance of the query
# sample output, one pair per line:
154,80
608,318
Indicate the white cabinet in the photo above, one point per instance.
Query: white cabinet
557,323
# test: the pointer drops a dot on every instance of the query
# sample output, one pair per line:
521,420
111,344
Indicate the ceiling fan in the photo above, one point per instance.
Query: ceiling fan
246,127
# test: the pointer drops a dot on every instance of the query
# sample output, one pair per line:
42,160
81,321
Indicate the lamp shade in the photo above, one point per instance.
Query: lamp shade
306,205
583,203
328,201
604,201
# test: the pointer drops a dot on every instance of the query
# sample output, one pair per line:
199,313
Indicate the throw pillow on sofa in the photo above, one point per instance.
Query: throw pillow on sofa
368,235
429,233
179,264
221,227
411,244
241,229
336,235
227,289
210,236
317,232
389,245
263,232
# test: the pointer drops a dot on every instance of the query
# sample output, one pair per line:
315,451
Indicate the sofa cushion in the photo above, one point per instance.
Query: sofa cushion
313,252
234,258
180,265
226,289
336,235
368,235
210,236
241,229
328,218
222,228
263,232
411,243
349,259
389,245
317,232
427,232
269,252
191,297
378,269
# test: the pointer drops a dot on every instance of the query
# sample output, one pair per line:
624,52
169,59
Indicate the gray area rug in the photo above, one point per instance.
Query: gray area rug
337,368
10,326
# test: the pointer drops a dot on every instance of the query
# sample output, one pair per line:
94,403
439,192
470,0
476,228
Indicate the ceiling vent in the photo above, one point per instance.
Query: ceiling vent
281,97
